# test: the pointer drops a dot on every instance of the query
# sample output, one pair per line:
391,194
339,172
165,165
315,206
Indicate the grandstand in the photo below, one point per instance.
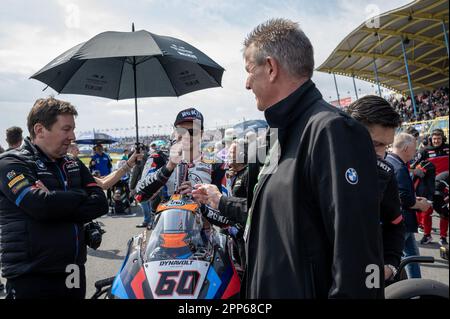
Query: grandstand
404,50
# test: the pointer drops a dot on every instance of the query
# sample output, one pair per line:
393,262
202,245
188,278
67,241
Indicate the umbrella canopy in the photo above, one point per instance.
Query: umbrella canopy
95,138
123,65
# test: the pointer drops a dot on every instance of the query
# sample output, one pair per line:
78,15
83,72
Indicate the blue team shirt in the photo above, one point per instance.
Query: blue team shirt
102,164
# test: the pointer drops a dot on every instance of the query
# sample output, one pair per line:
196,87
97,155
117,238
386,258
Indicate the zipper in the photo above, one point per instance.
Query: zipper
64,180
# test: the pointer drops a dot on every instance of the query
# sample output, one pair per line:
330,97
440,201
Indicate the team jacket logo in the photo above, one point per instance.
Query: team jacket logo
40,165
351,176
384,166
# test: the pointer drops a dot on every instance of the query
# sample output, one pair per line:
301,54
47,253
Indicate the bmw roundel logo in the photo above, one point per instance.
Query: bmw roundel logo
351,176
40,164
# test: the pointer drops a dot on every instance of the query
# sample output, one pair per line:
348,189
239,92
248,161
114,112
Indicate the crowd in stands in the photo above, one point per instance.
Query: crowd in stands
429,105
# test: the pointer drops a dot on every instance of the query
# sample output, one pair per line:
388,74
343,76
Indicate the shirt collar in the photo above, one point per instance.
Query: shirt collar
396,157
36,150
281,114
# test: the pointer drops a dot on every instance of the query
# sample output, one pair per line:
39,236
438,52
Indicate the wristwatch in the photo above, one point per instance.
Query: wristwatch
393,269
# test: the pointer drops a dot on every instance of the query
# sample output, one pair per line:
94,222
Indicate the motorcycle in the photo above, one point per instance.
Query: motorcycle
182,257
403,288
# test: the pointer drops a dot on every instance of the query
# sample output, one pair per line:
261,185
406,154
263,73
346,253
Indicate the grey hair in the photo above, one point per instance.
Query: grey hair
402,140
283,40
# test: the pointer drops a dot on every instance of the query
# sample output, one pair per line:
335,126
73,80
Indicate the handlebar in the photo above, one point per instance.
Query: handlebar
412,259
104,282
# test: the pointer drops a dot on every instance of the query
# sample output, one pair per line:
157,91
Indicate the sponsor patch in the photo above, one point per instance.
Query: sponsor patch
20,186
16,180
10,175
71,165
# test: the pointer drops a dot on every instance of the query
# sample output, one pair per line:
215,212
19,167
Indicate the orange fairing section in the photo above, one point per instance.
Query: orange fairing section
191,207
173,240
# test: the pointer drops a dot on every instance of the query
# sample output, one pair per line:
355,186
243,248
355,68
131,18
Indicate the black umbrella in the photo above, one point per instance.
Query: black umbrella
93,138
123,65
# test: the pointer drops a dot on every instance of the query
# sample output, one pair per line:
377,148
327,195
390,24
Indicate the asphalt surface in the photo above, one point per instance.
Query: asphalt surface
107,259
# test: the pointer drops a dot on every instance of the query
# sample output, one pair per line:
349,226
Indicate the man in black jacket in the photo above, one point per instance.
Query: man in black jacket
403,151
381,120
46,197
313,226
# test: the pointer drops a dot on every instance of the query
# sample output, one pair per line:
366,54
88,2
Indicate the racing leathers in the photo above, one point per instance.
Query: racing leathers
198,173
438,155
43,232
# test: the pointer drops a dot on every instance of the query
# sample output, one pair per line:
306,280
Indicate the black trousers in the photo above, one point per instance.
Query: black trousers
45,286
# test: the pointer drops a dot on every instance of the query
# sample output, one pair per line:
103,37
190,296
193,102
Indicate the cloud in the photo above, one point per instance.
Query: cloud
32,33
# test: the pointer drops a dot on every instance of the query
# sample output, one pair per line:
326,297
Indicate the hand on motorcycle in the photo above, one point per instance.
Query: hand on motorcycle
387,273
185,188
207,194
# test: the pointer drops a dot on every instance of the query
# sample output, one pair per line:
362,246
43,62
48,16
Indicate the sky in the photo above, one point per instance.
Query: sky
32,33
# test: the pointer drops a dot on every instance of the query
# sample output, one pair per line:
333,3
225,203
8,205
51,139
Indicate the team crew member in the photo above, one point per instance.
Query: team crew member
430,162
45,198
381,120
437,152
313,225
404,149
156,159
101,161
188,128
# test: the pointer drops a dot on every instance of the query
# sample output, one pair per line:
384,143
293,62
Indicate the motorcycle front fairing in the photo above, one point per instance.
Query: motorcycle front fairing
183,257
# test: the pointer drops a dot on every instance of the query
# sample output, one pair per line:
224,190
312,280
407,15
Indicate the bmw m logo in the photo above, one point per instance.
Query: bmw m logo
351,176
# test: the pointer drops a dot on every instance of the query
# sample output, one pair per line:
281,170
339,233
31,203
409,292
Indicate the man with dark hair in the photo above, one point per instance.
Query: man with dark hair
437,151
436,155
14,137
101,161
46,197
381,120
188,132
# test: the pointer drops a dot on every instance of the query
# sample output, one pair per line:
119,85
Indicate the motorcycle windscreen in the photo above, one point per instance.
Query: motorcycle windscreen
178,234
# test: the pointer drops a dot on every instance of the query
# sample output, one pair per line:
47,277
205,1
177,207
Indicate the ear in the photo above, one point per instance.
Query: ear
38,129
273,68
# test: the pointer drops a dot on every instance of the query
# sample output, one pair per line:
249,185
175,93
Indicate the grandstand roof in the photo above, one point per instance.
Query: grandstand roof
420,25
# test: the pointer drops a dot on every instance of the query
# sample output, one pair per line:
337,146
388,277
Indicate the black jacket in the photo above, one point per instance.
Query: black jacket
406,192
43,232
313,226
391,217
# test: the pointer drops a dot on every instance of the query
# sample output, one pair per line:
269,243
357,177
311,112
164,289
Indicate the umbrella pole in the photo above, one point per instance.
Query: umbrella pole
135,100
135,94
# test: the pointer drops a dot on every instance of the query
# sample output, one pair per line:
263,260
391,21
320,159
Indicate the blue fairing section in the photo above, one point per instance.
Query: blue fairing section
118,289
225,191
185,256
225,280
214,283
